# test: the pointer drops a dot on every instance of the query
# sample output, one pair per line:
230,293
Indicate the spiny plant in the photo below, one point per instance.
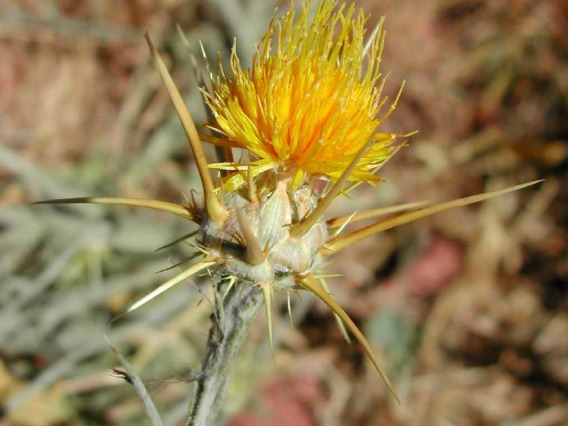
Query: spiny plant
308,110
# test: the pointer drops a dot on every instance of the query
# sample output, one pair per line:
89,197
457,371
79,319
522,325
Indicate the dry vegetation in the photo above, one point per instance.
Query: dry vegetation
469,308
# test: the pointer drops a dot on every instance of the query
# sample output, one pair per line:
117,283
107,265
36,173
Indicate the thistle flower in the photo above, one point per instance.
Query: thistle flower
307,105
305,109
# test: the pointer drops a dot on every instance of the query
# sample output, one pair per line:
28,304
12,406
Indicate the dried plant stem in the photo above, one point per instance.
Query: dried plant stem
131,377
233,314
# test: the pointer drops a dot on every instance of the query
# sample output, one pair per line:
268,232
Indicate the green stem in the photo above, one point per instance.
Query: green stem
234,313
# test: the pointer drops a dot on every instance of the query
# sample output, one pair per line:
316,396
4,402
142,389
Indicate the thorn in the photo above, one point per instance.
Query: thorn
310,283
337,318
232,282
343,221
205,263
301,228
338,244
214,209
253,251
371,39
192,193
183,38
318,276
267,292
199,247
344,224
178,240
164,206
289,309
193,256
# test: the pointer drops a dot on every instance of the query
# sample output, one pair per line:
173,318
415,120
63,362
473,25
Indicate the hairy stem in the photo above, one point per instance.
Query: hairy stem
233,315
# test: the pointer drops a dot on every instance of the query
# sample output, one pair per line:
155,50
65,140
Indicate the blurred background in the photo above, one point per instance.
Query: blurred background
468,309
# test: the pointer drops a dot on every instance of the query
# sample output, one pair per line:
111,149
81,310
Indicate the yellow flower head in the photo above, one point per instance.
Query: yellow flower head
307,105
